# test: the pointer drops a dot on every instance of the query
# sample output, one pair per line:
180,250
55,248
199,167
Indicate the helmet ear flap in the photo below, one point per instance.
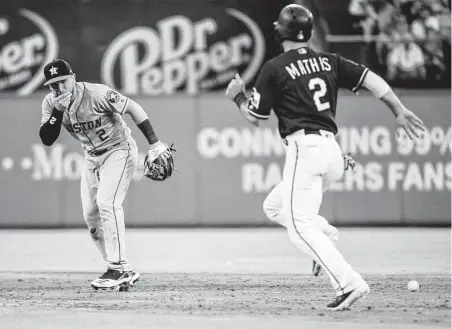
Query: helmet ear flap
282,34
278,36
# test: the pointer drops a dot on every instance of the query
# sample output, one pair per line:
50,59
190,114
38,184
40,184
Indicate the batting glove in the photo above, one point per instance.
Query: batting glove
349,162
235,87
157,149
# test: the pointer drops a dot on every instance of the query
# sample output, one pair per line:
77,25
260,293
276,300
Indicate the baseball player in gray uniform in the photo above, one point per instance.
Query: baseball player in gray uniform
92,114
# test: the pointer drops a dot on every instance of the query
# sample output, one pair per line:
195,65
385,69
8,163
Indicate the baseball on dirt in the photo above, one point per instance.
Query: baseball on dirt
413,285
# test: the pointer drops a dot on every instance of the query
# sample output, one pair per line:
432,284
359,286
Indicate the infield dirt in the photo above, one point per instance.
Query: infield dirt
222,279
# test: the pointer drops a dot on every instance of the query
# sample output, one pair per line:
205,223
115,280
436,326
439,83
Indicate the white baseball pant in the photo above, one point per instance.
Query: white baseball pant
104,184
313,162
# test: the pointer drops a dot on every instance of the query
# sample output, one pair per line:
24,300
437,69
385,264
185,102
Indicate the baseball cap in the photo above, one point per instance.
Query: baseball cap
57,70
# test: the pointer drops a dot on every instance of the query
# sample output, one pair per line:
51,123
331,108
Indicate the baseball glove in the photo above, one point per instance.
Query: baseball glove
161,167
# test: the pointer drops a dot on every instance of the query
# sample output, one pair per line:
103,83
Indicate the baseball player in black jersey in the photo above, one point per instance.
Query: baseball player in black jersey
301,86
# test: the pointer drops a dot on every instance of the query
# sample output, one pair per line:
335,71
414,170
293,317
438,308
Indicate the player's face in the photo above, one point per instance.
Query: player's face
66,85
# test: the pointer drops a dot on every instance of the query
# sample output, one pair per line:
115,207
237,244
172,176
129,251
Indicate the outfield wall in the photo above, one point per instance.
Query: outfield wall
226,167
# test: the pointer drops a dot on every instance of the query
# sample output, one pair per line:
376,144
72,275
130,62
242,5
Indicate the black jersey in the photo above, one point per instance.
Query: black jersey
301,87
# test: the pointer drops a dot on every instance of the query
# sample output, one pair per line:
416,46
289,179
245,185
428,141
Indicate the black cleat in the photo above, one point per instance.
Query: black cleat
339,300
346,300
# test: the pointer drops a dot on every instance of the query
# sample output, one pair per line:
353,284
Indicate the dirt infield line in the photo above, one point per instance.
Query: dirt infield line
203,300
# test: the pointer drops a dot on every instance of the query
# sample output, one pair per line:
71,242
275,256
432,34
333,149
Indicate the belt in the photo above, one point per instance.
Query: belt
97,153
310,131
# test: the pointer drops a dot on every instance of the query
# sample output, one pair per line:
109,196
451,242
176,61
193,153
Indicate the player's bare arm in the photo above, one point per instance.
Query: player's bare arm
406,119
141,119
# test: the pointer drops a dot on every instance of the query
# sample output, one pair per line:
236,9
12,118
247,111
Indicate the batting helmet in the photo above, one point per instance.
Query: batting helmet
294,23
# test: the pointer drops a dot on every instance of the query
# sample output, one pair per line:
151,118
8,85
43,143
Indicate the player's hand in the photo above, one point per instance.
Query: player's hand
410,123
62,102
349,162
235,87
159,163
157,149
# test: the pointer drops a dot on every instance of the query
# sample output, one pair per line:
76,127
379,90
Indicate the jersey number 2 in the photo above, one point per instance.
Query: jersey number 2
101,134
319,86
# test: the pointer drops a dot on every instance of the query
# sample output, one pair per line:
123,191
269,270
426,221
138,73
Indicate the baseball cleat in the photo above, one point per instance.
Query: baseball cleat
316,269
344,301
116,280
135,277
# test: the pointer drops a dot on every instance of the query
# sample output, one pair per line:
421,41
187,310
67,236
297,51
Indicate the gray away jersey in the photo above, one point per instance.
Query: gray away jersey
94,118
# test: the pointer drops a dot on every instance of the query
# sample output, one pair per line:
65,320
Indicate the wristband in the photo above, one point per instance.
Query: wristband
148,131
240,98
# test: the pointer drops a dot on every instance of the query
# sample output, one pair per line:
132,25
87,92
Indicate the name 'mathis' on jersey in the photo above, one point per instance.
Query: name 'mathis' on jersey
94,117
301,87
